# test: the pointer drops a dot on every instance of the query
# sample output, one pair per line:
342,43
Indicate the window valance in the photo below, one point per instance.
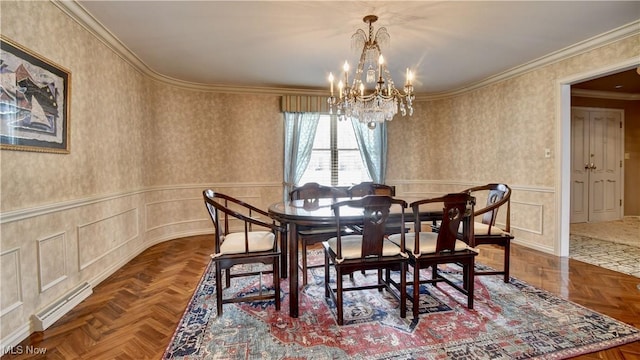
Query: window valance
298,103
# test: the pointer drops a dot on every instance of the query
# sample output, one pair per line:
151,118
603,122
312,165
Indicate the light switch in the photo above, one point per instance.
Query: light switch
627,156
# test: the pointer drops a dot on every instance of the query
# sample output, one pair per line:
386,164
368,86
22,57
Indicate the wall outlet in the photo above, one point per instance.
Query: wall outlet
547,153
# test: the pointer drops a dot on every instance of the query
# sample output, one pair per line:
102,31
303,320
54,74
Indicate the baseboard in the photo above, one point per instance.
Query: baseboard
544,249
52,313
9,343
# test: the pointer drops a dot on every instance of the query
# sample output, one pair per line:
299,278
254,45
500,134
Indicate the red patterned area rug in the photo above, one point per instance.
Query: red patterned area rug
509,321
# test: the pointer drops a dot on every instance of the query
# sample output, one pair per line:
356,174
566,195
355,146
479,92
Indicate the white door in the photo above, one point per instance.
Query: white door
596,148
579,165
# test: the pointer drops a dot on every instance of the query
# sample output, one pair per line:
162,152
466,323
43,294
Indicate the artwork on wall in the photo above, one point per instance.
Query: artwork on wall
34,101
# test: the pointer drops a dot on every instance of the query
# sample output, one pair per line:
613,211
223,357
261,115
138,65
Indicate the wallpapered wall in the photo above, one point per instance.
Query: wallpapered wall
143,151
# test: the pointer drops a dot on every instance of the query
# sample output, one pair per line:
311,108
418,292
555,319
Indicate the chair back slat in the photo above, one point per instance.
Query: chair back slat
312,192
370,188
497,196
213,213
375,213
455,207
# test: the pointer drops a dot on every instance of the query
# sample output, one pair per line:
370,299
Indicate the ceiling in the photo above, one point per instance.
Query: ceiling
626,82
449,45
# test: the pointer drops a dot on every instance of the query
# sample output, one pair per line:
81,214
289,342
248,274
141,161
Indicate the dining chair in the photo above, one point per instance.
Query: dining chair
430,249
252,241
311,193
370,250
371,188
486,232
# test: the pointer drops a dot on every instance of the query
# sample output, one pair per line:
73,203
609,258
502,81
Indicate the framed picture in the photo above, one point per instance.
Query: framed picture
34,101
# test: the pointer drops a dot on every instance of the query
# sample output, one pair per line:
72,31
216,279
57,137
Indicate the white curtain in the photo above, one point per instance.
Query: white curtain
300,132
373,148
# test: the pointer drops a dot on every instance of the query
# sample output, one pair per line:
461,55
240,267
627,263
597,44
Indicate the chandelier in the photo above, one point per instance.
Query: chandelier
378,101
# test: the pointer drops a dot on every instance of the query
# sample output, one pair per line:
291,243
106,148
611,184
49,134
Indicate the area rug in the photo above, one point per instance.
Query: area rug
613,256
625,231
509,321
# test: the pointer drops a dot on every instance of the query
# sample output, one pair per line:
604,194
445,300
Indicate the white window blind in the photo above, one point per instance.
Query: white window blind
335,159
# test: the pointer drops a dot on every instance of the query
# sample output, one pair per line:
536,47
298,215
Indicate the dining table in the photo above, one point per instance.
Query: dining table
319,213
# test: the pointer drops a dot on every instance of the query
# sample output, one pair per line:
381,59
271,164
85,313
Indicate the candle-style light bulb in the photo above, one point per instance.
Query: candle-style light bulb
380,63
361,89
345,67
340,86
331,81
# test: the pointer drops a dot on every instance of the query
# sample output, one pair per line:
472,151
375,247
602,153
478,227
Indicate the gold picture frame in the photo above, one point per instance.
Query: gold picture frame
34,101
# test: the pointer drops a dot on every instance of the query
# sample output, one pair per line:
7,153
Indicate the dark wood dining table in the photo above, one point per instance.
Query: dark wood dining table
296,214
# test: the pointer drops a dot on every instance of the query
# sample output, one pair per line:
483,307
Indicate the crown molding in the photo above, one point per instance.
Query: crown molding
79,14
604,94
628,30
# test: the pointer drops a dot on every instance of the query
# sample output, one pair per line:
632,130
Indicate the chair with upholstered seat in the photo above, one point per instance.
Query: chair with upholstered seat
311,193
254,241
370,188
486,232
430,249
370,250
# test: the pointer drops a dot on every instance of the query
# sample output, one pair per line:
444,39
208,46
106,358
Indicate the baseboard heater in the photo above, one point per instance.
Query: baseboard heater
45,318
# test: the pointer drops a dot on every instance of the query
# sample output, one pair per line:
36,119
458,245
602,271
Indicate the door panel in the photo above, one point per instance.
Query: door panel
604,144
596,146
579,162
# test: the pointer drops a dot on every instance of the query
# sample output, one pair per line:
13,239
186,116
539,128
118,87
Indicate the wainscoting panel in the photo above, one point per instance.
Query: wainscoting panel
52,260
173,212
99,238
527,217
11,294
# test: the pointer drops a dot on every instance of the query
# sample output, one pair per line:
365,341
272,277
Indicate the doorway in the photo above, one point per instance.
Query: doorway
563,142
597,148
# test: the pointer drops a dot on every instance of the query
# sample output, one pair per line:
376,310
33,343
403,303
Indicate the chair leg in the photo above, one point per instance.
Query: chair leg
339,296
507,254
304,262
403,287
227,277
276,281
434,273
326,275
284,243
219,289
416,291
470,281
465,276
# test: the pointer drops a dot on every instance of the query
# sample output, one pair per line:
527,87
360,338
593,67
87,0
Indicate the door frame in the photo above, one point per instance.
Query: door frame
562,143
620,150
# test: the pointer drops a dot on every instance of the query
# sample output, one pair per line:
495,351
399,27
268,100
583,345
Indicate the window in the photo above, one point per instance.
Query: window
335,158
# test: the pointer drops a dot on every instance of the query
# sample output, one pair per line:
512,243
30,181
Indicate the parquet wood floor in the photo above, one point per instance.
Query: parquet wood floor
133,313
